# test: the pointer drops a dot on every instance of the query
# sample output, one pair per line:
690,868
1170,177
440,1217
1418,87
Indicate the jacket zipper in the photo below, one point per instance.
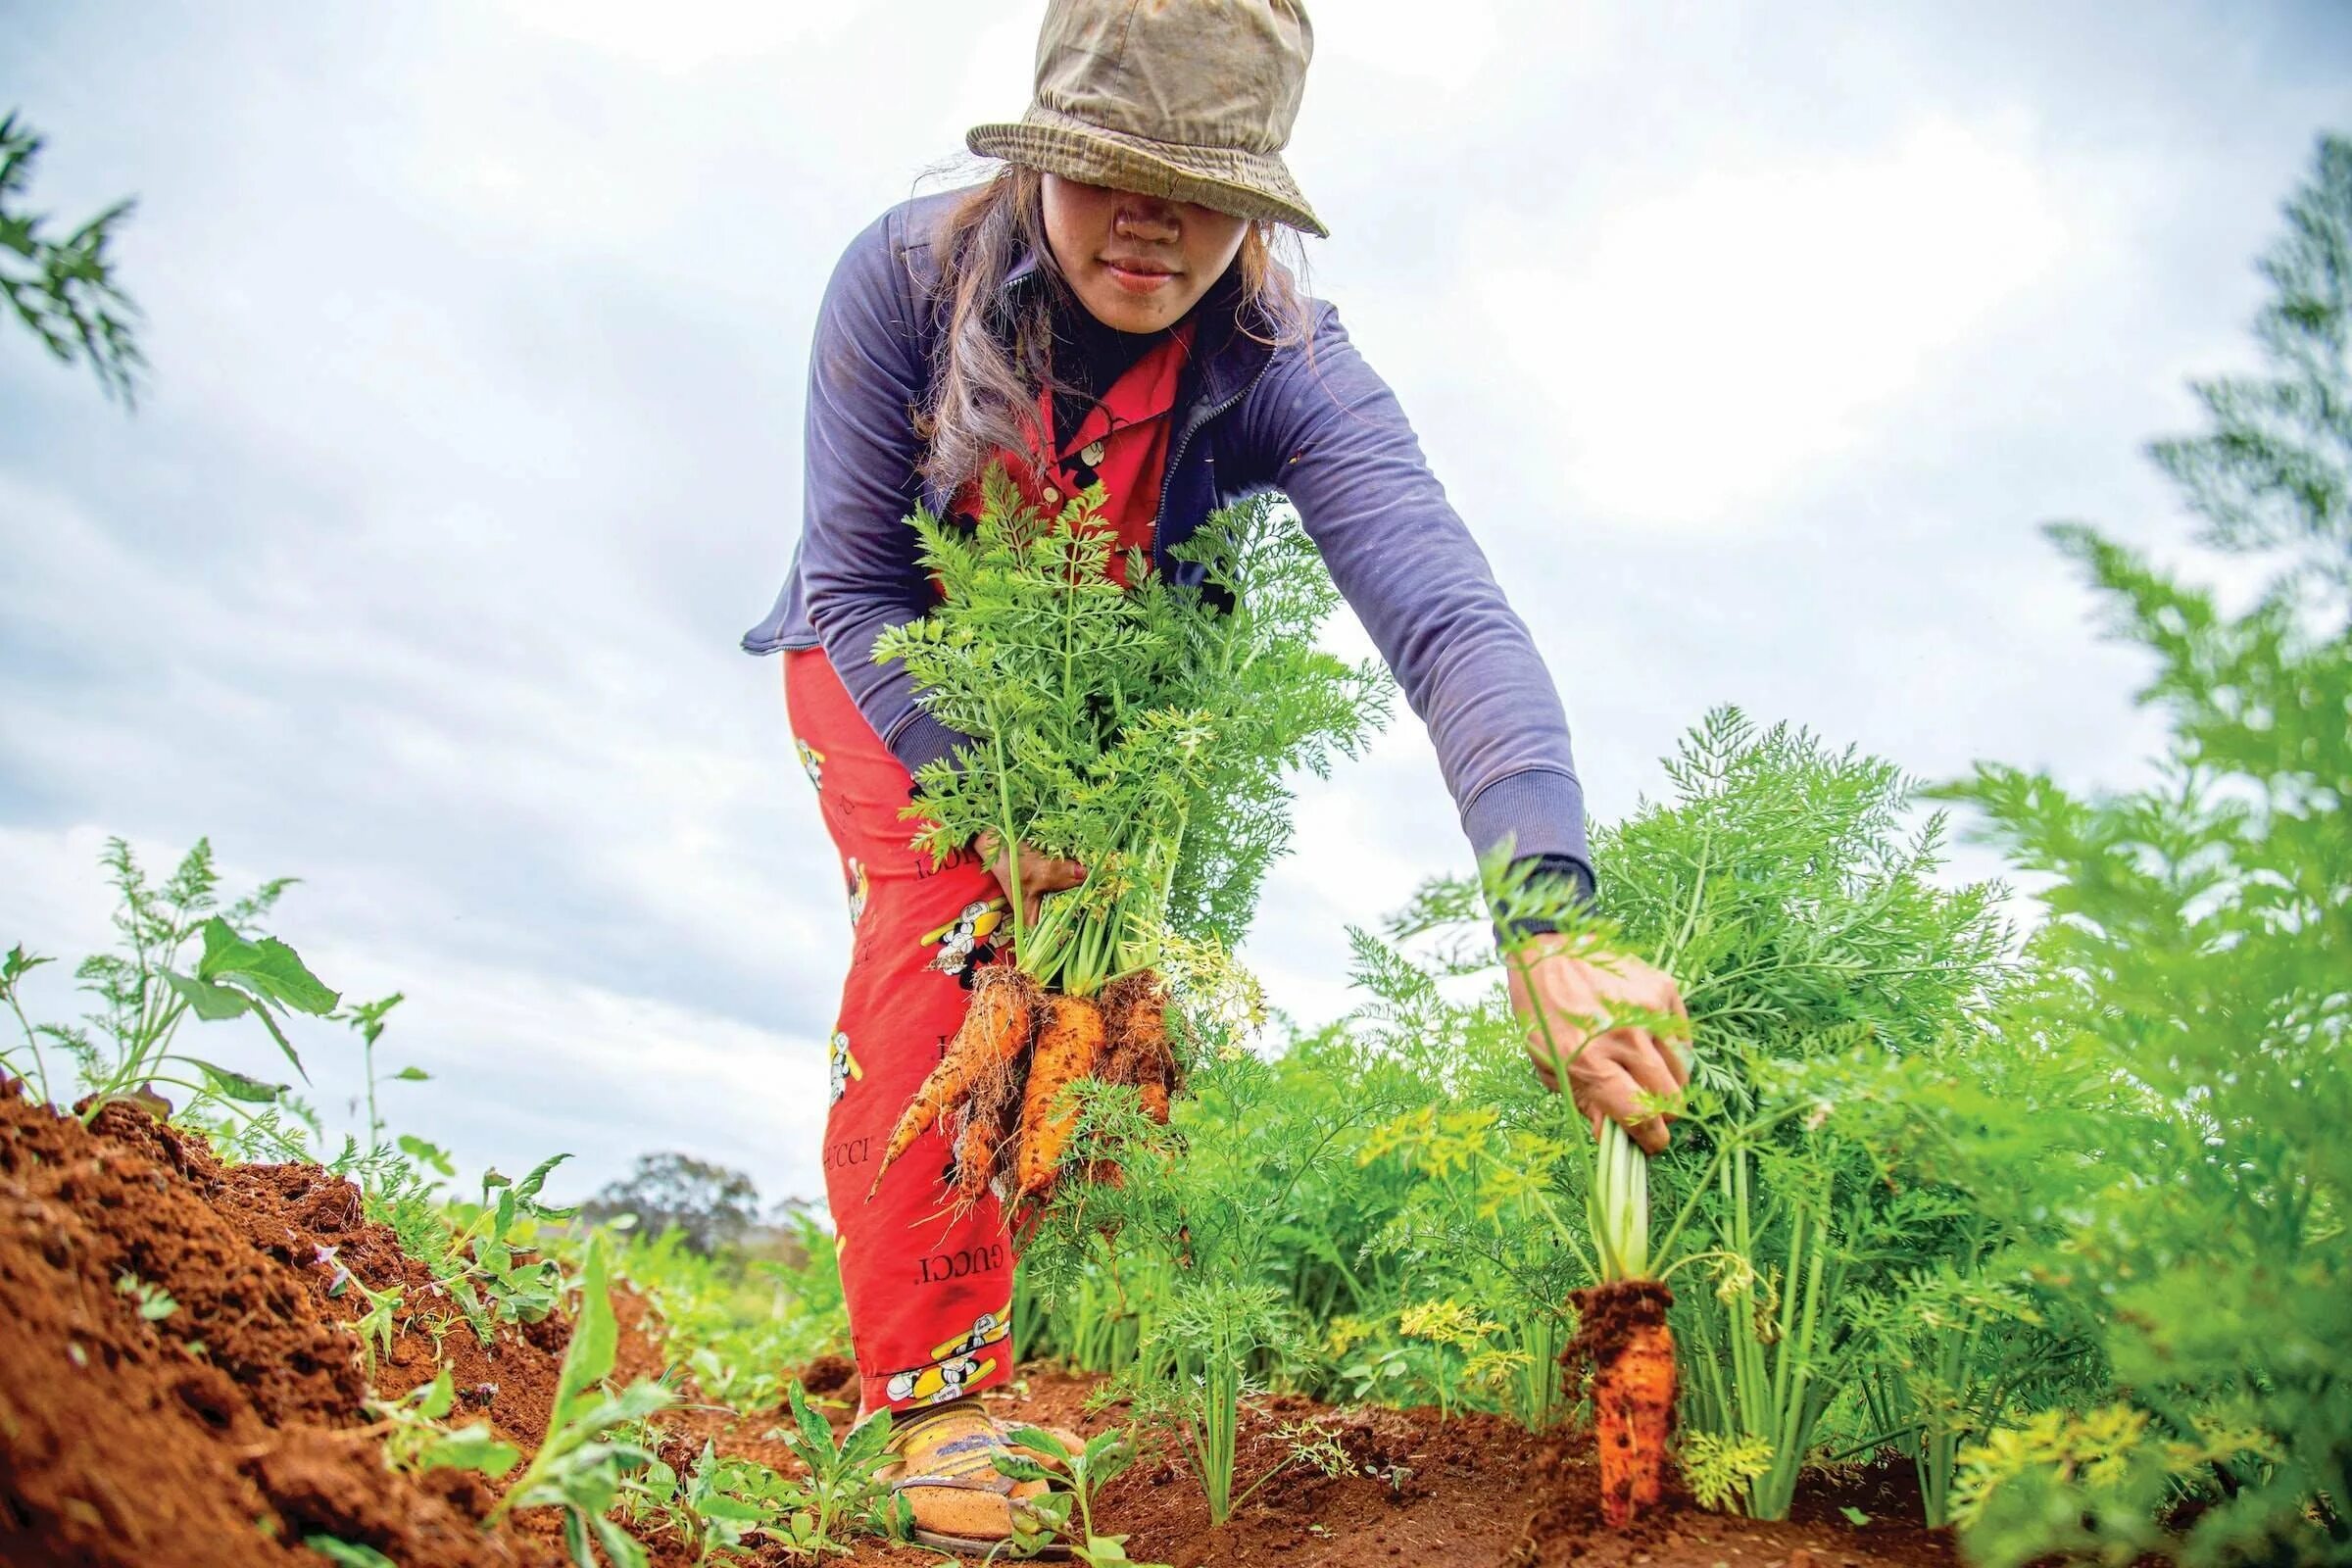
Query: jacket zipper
1184,440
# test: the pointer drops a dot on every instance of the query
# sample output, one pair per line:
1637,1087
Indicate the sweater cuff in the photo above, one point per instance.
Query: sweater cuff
1568,881
1539,811
922,740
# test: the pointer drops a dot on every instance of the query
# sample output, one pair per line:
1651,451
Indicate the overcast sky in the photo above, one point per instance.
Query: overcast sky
1753,341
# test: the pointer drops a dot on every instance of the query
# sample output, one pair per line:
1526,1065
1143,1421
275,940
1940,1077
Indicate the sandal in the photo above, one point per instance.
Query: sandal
947,1472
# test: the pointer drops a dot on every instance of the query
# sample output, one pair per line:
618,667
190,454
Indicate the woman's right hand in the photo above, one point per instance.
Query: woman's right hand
1041,874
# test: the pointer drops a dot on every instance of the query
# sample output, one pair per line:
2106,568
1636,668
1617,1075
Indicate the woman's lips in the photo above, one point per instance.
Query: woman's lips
1136,280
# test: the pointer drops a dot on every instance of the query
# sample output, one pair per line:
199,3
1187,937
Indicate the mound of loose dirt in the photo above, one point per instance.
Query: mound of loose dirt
223,1431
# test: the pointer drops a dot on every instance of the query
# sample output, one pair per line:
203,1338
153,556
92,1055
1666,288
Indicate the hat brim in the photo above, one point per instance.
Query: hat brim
1228,179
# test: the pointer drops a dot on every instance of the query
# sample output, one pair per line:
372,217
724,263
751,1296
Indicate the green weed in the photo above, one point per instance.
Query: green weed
582,1466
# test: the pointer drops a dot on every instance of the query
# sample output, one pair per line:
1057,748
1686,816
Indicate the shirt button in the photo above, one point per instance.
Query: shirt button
1051,495
1093,455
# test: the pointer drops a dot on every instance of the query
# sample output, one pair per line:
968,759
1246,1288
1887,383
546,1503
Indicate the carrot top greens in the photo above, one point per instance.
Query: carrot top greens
1143,731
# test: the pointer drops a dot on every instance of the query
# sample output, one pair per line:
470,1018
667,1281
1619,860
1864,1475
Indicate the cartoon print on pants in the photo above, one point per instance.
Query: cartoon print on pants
953,1365
845,1066
967,940
860,890
812,761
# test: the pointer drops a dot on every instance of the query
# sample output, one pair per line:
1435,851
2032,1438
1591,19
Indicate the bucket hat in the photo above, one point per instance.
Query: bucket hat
1188,99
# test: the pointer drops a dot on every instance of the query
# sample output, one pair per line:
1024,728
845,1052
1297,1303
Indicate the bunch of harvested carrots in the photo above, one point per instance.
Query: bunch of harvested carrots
1135,724
1003,1089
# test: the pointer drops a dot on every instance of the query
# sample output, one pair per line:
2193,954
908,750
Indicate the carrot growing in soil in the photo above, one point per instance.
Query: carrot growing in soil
1622,1333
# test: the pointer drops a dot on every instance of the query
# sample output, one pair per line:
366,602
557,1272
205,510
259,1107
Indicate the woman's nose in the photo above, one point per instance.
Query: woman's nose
1145,217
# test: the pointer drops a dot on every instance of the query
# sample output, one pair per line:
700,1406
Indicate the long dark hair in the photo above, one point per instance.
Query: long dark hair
990,363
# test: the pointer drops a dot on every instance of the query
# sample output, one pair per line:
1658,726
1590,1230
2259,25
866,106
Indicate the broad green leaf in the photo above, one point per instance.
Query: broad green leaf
590,1484
473,1447
440,1395
236,1086
528,1187
867,1439
733,1509
814,1432
588,1359
1100,1446
207,1000
618,1544
411,1075
1039,1440
641,1400
269,1022
267,967
1020,1469
575,1538
426,1154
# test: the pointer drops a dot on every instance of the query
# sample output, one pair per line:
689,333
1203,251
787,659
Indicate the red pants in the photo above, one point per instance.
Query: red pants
930,1295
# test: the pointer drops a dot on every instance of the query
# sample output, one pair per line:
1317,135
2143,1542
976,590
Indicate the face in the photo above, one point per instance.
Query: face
1139,263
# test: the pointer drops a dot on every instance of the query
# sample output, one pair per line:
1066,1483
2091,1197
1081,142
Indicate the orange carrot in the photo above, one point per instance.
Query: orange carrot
989,1118
1137,1009
1623,1331
994,1028
1069,1047
1632,1400
974,1155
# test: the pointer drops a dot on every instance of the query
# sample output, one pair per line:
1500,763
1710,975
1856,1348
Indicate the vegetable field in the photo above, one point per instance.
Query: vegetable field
2000,1225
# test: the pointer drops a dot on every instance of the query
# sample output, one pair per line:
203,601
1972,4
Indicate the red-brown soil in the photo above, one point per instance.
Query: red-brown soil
1474,1492
220,1434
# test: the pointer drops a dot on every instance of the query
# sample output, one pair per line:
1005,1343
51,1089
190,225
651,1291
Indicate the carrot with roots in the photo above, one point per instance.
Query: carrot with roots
996,1029
984,1144
1622,1332
1136,1009
1069,1047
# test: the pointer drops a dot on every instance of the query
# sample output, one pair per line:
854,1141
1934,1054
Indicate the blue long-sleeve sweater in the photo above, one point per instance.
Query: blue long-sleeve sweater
1310,419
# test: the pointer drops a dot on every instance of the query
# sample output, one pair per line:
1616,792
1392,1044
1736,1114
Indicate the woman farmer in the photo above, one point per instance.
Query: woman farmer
1106,309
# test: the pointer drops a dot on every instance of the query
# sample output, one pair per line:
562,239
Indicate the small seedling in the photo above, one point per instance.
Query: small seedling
380,1325
841,1486
717,1505
155,1302
580,1467
1100,1461
414,1437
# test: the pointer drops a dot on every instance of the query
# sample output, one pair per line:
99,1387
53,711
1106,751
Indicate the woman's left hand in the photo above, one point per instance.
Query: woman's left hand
1558,994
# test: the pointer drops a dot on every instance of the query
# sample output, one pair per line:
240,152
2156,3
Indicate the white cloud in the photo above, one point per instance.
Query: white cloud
1707,349
683,36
